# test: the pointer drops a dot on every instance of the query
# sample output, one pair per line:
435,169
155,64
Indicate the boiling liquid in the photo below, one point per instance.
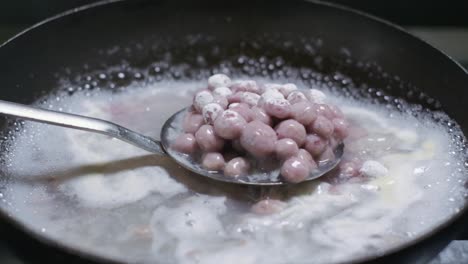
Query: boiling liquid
113,199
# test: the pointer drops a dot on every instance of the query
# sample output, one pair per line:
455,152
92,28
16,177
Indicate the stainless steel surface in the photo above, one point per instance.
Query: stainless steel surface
82,123
162,148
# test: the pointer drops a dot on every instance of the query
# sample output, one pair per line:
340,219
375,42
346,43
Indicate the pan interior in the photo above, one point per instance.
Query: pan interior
104,197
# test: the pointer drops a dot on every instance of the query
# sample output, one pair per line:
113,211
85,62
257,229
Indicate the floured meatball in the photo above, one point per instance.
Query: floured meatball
235,123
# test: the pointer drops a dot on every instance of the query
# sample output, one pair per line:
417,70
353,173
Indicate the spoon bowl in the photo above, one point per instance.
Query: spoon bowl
269,178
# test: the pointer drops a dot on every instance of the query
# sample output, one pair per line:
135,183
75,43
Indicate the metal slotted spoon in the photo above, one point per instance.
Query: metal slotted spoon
158,147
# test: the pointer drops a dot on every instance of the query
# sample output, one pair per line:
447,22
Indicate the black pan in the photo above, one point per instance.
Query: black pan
381,59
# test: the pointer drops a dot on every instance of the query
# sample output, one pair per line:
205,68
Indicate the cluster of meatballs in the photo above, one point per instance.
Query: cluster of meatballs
276,122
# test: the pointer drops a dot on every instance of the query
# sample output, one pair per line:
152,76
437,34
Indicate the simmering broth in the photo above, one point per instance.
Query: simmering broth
112,199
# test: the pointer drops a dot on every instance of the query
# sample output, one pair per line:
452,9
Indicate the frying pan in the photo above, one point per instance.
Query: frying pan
381,59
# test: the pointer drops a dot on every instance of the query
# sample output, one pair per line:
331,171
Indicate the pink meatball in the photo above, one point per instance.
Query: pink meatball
243,109
291,129
213,161
270,86
340,128
287,89
218,80
326,156
236,167
322,127
246,86
222,91
306,157
250,98
277,107
235,97
297,97
208,140
221,100
315,145
268,206
304,112
295,170
260,115
286,148
210,112
229,124
185,143
192,122
270,94
325,110
201,99
258,139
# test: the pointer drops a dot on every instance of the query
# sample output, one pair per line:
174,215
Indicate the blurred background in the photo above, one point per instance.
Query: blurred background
444,24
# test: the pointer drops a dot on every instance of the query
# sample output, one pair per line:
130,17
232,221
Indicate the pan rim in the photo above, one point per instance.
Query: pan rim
48,241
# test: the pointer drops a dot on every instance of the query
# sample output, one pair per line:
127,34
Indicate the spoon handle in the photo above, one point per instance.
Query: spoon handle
82,123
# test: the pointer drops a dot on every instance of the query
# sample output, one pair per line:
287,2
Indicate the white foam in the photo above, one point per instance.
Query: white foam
97,193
